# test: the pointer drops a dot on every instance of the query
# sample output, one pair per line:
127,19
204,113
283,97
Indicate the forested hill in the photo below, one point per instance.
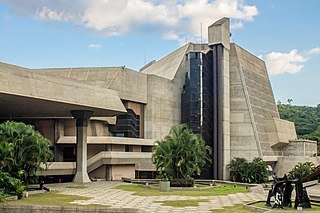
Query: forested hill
306,119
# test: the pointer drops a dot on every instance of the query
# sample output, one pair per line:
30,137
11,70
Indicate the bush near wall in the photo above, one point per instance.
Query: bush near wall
22,151
188,182
10,185
301,170
248,172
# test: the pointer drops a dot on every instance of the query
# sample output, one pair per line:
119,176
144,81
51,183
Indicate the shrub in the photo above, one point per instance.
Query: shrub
10,185
301,170
237,168
259,171
248,172
188,182
3,197
22,150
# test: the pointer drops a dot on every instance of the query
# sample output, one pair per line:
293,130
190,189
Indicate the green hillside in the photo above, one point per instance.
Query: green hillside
306,119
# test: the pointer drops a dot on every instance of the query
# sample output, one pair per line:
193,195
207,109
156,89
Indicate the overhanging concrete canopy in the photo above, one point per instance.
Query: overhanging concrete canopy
108,140
29,95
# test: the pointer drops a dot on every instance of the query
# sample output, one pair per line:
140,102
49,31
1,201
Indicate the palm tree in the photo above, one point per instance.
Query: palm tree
22,150
181,154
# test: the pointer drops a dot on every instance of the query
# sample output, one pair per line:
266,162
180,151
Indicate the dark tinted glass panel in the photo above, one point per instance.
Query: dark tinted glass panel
69,154
194,104
128,125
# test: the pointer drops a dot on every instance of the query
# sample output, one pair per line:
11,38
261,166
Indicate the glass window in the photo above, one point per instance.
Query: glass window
121,135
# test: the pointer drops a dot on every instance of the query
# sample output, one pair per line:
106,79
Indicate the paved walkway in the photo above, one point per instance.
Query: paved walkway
102,193
314,190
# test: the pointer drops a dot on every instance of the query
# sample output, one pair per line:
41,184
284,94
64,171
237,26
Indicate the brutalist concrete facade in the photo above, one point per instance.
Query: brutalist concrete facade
245,121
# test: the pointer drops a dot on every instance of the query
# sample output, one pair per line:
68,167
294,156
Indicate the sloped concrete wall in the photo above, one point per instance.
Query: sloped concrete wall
261,98
243,140
254,97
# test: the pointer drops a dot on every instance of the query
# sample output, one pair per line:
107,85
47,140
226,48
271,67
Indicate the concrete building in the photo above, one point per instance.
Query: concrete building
103,122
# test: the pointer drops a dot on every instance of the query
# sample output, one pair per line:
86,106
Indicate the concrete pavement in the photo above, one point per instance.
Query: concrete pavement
103,193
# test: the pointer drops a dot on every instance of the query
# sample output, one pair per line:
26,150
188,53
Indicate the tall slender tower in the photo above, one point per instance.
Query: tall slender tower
219,43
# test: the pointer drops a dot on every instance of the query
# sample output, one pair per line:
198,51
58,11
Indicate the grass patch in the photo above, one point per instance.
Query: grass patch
220,190
263,205
76,187
182,203
52,198
235,208
196,184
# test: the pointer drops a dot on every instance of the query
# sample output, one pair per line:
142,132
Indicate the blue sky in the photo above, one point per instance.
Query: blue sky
78,33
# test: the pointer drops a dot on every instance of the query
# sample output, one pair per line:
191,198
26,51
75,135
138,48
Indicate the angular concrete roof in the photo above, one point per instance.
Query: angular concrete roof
167,67
129,84
101,76
24,93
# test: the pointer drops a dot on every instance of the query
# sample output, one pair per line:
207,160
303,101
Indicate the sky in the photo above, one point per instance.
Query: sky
131,33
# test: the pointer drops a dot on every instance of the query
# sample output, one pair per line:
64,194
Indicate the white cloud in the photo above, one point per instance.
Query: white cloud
172,19
50,14
313,51
291,62
237,25
94,46
124,16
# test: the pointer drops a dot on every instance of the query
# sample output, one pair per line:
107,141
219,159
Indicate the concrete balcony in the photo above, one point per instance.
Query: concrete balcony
141,160
279,132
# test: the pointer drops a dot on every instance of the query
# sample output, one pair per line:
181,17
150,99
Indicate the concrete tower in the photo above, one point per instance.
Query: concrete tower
219,43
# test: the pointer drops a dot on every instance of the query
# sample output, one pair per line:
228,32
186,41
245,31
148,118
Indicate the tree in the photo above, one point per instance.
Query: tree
22,150
181,154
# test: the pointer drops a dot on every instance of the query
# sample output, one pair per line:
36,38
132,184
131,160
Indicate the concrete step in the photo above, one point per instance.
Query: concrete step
315,198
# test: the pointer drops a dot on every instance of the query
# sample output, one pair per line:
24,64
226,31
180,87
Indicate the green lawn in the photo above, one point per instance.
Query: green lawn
262,204
236,208
220,190
196,184
52,198
182,203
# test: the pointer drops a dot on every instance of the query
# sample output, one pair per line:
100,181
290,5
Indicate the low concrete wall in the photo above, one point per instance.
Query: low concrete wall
286,163
61,209
119,171
300,148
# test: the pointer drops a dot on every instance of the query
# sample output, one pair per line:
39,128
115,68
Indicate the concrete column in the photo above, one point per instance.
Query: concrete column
82,117
219,42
